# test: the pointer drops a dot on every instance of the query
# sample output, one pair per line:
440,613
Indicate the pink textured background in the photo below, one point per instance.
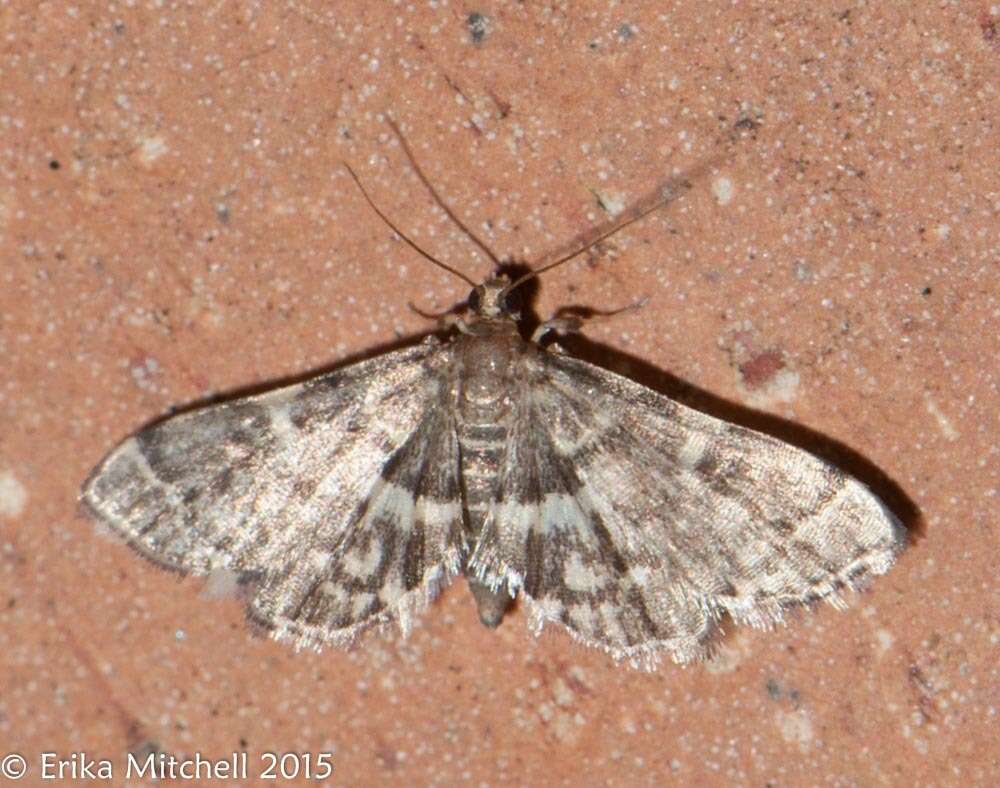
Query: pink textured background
174,222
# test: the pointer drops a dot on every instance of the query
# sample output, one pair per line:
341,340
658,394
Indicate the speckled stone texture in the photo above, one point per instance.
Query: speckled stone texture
174,221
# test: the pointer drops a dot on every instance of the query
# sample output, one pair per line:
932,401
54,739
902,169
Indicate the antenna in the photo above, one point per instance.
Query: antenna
660,197
400,233
437,198
666,195
663,195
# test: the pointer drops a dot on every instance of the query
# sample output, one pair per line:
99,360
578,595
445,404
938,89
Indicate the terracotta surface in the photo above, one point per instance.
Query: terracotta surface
174,221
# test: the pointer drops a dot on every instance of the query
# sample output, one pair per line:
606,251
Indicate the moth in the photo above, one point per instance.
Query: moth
348,501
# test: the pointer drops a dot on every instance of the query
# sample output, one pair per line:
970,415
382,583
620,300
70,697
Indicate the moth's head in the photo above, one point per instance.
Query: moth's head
494,298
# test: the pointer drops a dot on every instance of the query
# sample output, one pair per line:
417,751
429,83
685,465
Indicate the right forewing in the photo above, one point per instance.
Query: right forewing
635,521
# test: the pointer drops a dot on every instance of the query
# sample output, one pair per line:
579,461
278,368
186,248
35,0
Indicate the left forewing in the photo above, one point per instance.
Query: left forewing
333,499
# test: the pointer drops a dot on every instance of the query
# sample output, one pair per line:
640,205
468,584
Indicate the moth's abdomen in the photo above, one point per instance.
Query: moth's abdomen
481,448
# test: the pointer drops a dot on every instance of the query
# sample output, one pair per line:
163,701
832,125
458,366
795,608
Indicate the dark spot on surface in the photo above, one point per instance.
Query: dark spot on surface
926,291
503,108
761,369
387,758
746,124
478,25
988,26
54,164
626,31
776,691
144,748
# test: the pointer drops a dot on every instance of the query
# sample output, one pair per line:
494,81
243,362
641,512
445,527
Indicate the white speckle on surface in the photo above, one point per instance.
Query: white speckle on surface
13,496
803,271
943,422
726,658
782,387
883,641
566,727
150,149
723,189
561,692
6,201
796,727
144,373
614,204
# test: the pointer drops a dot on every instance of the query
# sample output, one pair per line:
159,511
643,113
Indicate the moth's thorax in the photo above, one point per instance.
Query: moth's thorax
486,357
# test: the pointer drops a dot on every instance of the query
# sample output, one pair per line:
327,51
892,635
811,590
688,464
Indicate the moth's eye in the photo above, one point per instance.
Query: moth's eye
475,300
511,302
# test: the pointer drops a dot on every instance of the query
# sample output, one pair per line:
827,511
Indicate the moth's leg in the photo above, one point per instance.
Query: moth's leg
572,324
446,320
558,325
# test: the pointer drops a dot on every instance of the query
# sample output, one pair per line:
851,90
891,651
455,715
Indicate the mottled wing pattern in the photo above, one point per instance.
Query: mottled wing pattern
636,521
335,501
